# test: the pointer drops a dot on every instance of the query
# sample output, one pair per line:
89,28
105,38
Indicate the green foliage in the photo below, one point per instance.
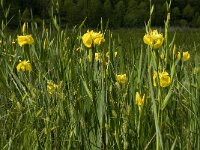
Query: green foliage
198,21
109,12
176,13
183,23
69,101
159,14
26,15
188,12
90,110
73,13
136,14
95,12
120,13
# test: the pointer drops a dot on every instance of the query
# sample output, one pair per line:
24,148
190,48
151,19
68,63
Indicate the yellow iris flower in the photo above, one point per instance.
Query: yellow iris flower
153,39
24,66
122,78
92,38
139,99
25,39
164,79
185,56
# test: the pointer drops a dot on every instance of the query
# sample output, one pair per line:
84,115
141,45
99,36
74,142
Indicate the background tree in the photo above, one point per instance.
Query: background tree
120,13
109,12
159,13
188,12
175,15
131,15
96,11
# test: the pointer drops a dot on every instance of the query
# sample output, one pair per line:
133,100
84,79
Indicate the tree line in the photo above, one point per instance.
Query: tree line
119,13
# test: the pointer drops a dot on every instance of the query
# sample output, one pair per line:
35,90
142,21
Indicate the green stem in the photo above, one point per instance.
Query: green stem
159,142
138,129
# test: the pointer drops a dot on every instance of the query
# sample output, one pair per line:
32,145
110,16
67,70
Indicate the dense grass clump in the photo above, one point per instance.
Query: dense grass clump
77,89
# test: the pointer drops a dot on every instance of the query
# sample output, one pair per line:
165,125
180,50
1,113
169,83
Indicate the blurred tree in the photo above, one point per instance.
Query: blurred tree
198,21
144,12
131,14
194,22
96,11
159,14
71,12
179,3
183,23
109,12
194,3
175,15
119,13
188,12
136,14
40,8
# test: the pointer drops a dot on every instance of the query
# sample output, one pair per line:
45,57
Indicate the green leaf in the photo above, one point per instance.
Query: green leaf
87,89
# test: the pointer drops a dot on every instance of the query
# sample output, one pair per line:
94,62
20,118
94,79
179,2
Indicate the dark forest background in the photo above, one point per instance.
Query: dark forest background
119,13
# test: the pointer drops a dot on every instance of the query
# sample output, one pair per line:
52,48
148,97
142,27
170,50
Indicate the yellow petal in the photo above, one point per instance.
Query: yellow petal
87,39
25,39
186,56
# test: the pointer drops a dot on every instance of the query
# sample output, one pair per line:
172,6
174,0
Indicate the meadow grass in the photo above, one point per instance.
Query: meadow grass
135,36
69,101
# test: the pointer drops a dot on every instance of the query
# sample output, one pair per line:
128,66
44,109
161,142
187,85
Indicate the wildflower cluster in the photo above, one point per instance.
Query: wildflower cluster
24,66
98,56
139,100
92,38
164,79
153,39
24,39
121,78
185,56
52,87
